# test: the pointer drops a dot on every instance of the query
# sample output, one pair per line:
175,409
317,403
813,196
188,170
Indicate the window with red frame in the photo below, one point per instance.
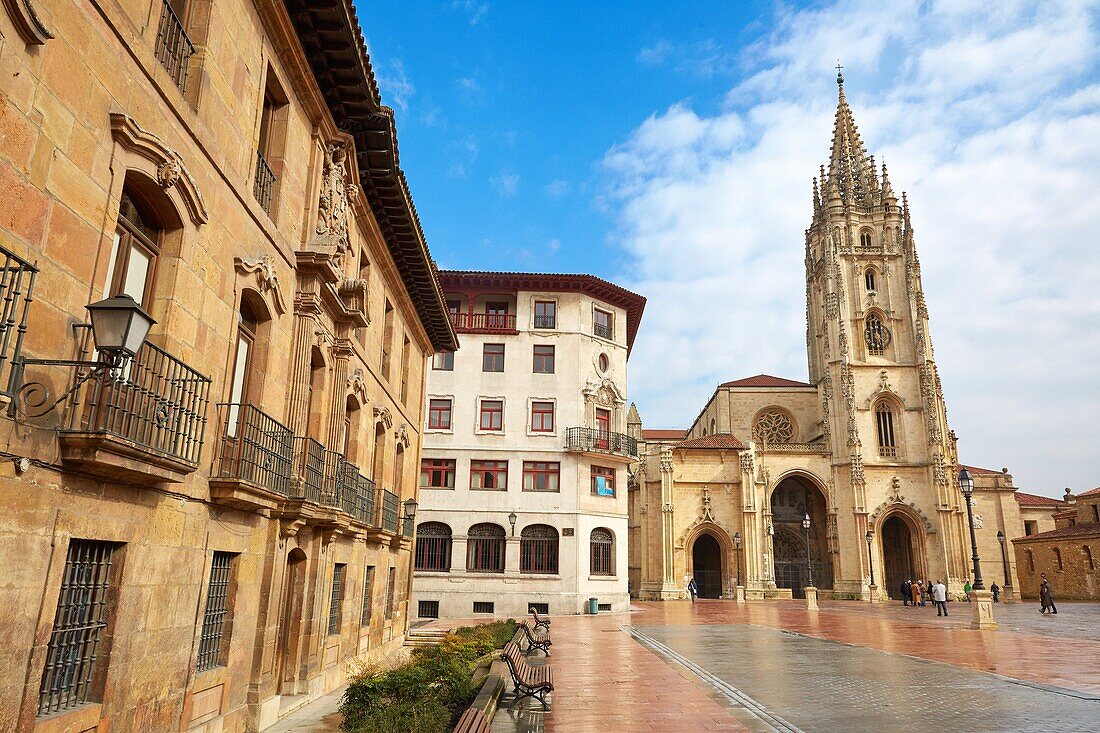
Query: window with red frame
540,476
489,475
602,324
496,315
543,360
492,415
492,358
546,314
439,415
542,417
437,473
603,481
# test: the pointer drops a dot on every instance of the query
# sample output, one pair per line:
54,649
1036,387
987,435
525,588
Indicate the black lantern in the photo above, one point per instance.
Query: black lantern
512,521
410,510
119,326
1004,559
966,486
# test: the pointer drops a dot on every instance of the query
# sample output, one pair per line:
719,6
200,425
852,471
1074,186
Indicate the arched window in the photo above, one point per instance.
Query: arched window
134,252
865,238
602,553
773,426
877,334
1088,557
352,427
869,279
712,426
1031,561
1058,559
399,470
538,549
433,547
884,428
248,326
485,549
379,453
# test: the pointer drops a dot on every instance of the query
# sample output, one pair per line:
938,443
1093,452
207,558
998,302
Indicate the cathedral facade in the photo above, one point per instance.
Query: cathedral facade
862,450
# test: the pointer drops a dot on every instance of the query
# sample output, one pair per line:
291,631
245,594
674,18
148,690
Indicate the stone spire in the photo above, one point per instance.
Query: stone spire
850,172
887,191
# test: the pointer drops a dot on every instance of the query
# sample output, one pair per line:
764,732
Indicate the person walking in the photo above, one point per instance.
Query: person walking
905,592
922,591
1046,596
967,588
939,598
693,589
996,591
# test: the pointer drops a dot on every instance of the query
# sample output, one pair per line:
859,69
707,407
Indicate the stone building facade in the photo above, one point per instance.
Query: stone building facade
523,480
863,449
208,534
1069,553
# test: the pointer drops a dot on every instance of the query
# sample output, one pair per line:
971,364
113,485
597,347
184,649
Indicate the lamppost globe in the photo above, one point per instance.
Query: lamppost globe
410,509
868,537
737,540
806,522
1000,537
512,521
966,483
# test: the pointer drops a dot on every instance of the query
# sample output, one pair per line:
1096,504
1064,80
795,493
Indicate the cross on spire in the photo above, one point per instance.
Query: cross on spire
839,74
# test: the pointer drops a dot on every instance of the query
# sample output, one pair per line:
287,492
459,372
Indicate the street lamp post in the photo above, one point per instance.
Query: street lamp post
512,521
739,591
809,563
870,559
1004,559
966,485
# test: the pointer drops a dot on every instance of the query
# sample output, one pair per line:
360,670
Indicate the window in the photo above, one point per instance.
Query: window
877,335
1096,512
242,365
1030,528
603,481
439,414
391,589
73,653
492,358
405,369
496,316
546,314
869,280
604,363
538,549
602,544
540,476
272,128
433,547
427,609
485,549
484,606
1058,559
437,473
217,610
134,253
865,238
884,424
543,360
336,600
444,361
541,608
368,596
773,426
387,339
489,475
602,324
603,428
492,415
1088,557
174,48
1031,561
542,417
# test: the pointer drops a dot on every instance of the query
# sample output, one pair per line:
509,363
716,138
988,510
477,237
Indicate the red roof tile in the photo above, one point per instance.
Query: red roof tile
977,470
721,441
1090,492
1025,499
664,434
1075,530
764,380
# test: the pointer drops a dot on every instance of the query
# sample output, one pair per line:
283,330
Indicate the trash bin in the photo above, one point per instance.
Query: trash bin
593,605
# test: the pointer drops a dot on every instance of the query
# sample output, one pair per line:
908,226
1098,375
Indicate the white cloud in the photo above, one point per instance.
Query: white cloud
468,84
505,183
557,189
394,84
553,246
988,115
475,11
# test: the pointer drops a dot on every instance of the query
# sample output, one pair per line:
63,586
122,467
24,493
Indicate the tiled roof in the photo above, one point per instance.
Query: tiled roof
764,380
1074,530
976,470
1090,492
1025,499
723,441
664,434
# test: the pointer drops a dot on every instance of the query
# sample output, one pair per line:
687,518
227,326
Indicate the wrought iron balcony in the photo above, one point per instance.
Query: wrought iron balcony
326,478
389,506
484,322
590,440
263,187
603,330
16,286
142,420
174,49
255,454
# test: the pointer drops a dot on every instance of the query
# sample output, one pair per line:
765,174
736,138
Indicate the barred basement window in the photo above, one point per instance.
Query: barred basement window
538,549
603,606
81,617
540,608
485,549
433,547
368,597
484,606
216,613
602,543
877,335
336,602
427,609
391,587
884,424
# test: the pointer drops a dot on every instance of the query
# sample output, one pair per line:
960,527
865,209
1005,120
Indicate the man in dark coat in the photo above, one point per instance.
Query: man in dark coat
905,592
1046,596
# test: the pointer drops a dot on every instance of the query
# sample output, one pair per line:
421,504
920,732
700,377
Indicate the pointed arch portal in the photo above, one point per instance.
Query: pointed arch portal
793,498
706,565
898,554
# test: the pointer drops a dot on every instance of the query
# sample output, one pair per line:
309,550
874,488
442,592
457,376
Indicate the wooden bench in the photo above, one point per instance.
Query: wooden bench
473,721
541,622
537,638
529,680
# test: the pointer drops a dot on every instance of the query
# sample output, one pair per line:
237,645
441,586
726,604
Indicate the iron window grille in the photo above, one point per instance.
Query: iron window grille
540,608
538,550
877,335
309,469
485,553
543,360
427,609
174,49
16,288
484,606
541,476
255,448
489,475
336,601
368,597
263,188
602,324
391,589
73,654
215,616
492,358
433,547
437,473
602,557
389,510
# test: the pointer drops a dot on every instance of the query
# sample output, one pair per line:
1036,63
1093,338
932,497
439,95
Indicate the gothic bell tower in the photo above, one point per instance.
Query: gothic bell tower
871,358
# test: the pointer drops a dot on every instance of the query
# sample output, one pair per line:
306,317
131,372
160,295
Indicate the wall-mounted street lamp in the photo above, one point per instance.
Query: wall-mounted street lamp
410,510
512,521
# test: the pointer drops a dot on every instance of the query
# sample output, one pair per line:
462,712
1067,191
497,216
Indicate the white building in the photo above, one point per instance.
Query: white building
524,474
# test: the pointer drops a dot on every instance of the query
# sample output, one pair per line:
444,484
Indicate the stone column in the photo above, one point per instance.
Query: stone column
458,555
341,353
811,598
297,411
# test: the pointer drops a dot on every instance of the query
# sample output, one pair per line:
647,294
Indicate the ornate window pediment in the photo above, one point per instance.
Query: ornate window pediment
167,166
606,393
267,278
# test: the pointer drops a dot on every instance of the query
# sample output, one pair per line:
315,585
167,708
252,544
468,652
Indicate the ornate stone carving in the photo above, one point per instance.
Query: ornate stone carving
28,23
267,277
857,470
357,385
332,207
773,426
979,520
746,463
401,435
666,459
384,416
706,515
168,173
605,393
167,165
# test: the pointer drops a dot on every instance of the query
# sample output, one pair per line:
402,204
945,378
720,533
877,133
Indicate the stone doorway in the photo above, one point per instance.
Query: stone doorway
290,622
706,564
792,500
898,557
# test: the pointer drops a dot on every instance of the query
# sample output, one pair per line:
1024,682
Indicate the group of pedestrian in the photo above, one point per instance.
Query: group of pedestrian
917,593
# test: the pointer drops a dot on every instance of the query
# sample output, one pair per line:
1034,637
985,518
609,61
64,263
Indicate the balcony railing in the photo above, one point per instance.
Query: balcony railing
546,322
795,447
16,286
484,322
154,401
600,441
309,469
389,503
255,448
174,49
603,330
325,477
263,188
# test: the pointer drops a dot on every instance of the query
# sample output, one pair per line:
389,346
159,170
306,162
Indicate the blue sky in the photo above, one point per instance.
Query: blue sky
669,147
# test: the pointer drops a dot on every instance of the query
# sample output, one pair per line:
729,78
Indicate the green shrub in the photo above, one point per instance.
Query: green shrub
427,693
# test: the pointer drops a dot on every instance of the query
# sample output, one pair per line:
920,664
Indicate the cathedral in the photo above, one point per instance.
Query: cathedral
848,481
